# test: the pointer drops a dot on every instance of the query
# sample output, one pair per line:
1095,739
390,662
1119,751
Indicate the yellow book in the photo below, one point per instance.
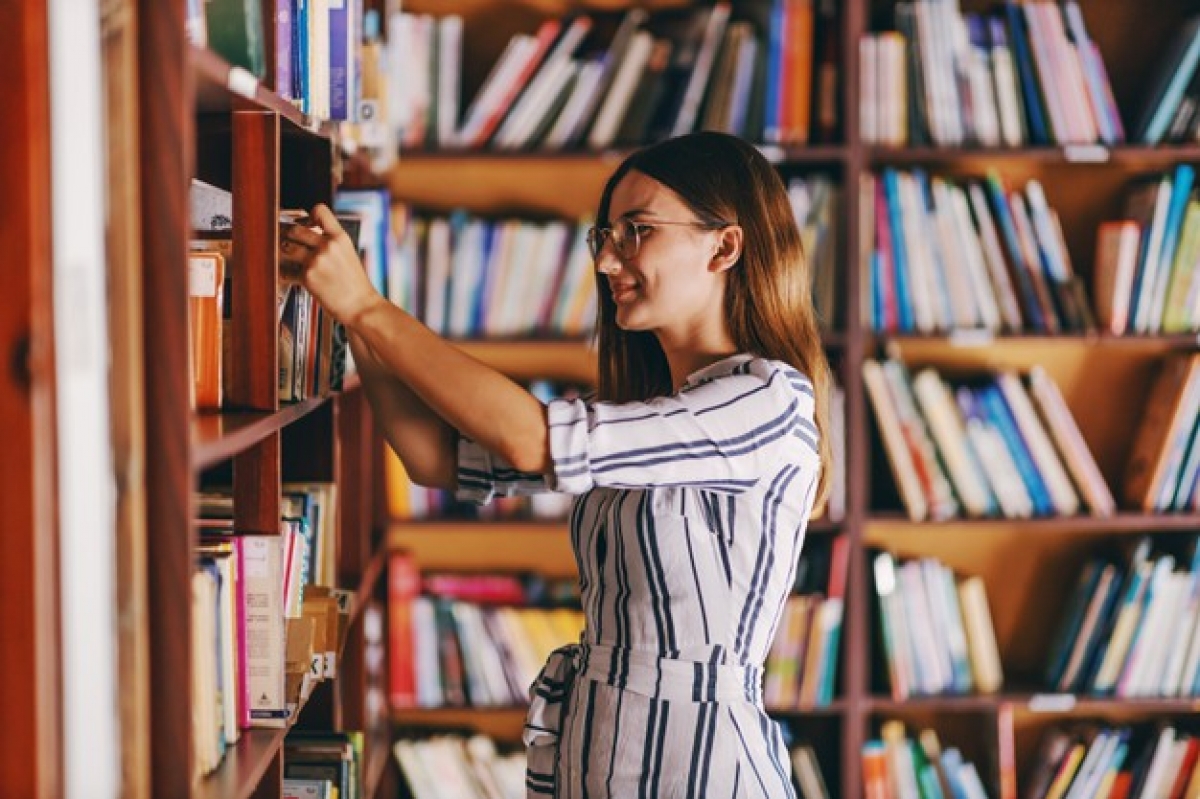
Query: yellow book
1066,772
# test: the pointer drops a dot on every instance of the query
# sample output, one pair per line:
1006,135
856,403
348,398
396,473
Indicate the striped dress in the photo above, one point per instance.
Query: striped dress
690,515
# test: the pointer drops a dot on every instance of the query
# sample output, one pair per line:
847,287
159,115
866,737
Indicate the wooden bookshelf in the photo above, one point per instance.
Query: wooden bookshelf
1026,564
202,118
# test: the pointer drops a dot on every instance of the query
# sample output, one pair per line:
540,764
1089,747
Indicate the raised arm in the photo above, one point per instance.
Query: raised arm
424,442
475,399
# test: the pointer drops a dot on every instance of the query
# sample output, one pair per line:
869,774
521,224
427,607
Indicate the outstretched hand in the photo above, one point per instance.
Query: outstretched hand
325,263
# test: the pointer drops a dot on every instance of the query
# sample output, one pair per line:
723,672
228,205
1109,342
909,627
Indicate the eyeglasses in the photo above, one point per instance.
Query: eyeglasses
626,235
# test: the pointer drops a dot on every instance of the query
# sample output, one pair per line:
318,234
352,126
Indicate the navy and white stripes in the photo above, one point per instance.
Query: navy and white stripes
688,526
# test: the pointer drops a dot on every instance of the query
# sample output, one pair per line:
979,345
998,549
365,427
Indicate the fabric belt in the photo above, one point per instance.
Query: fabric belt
631,670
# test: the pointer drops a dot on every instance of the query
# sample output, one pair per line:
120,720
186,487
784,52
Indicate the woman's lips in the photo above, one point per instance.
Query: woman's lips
623,292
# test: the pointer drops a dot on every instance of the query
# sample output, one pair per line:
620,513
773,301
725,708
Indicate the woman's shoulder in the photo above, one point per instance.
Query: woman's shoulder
769,371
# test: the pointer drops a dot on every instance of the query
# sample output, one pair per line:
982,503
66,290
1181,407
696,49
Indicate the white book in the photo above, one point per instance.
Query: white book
933,667
620,94
697,86
1045,459
986,666
945,424
439,256
869,105
957,271
449,91
1008,96
972,252
993,257
466,279
923,287
985,116
516,55
541,91
262,573
891,429
571,119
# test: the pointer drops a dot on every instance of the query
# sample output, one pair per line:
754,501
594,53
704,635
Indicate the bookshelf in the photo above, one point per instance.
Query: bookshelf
1026,565
200,119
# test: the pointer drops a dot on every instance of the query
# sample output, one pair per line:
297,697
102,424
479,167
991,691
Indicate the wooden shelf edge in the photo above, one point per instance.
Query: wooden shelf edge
1091,155
243,767
1032,702
1125,522
777,154
377,764
217,436
221,87
983,339
375,569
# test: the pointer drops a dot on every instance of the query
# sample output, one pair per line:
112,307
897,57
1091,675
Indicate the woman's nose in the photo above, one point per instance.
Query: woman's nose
607,263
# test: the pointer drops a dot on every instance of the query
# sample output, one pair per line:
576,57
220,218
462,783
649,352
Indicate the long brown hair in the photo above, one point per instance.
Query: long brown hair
768,300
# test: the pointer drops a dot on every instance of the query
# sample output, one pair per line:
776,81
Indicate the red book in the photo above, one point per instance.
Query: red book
404,583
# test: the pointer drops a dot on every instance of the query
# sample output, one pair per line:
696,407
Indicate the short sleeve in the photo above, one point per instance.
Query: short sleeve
721,435
483,476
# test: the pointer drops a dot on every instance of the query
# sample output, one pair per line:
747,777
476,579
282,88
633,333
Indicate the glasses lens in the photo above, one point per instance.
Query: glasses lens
595,241
625,238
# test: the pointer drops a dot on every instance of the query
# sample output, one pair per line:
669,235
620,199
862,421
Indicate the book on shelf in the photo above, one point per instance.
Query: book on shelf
1129,626
754,71
1163,470
1093,758
1145,274
936,629
1029,73
895,764
1003,445
472,640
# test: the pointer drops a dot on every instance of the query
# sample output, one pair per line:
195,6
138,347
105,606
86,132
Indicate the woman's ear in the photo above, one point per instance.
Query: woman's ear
728,250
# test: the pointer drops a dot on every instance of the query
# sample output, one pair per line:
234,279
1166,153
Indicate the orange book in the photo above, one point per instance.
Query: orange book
206,279
1166,416
798,65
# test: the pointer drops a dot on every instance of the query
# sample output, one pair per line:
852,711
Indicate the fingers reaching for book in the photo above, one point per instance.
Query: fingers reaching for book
326,263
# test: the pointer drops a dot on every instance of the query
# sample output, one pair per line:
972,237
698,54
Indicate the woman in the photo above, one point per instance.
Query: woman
696,468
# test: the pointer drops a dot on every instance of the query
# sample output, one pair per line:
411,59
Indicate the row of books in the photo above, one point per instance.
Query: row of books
895,766
267,622
1129,629
1125,762
1027,74
323,765
995,446
470,640
313,355
766,77
1162,473
974,254
802,664
498,278
1147,267
317,60
936,629
449,766
457,767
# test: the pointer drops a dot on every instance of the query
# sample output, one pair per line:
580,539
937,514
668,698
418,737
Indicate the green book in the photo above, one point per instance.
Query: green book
235,32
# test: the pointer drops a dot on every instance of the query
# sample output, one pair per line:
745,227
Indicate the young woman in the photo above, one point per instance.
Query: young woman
696,467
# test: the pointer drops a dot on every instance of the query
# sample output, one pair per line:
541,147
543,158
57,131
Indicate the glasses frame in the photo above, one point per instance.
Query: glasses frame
597,237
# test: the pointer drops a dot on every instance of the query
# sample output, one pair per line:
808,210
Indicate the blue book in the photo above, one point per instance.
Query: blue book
891,187
1173,75
771,102
1072,619
877,317
1039,131
284,17
1002,417
1150,307
942,297
340,59
1190,474
1008,234
300,60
